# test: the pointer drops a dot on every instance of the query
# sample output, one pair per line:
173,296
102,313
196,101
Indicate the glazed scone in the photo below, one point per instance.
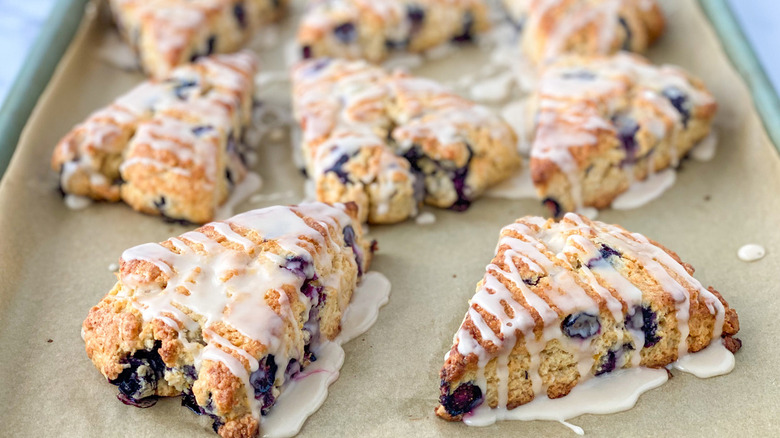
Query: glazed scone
564,301
167,33
372,29
585,27
226,314
169,147
390,141
604,122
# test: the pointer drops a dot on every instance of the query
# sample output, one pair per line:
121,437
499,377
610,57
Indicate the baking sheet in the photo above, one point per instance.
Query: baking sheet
54,267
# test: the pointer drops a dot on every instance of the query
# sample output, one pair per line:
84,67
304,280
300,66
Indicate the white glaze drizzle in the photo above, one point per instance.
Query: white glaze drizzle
546,248
222,285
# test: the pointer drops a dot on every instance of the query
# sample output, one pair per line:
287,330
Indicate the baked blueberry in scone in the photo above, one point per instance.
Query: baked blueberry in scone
170,147
605,121
372,29
585,27
228,314
562,302
389,141
168,33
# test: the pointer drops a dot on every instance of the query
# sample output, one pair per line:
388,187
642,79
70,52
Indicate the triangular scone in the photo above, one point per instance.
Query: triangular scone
551,28
564,301
390,141
604,122
167,147
226,314
372,29
168,33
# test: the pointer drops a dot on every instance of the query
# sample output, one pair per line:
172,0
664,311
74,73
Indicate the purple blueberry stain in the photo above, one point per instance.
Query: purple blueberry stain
350,241
645,319
581,325
459,182
346,33
463,400
306,52
182,88
338,169
627,128
579,74
553,206
627,41
138,381
680,102
240,13
262,380
465,34
200,130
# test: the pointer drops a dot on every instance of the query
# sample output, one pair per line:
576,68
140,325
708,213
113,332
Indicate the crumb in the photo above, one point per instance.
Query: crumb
50,341
454,276
707,197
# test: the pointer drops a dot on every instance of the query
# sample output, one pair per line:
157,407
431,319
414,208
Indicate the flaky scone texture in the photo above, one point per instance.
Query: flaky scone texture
564,301
551,28
389,141
372,29
170,147
226,314
604,122
168,33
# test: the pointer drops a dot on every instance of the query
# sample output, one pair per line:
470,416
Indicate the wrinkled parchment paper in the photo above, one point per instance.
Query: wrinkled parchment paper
54,267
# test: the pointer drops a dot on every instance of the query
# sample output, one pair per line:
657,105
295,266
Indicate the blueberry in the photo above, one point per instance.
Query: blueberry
531,281
338,168
607,251
466,31
581,325
188,400
459,181
627,41
199,130
160,203
643,318
217,424
262,380
306,52
627,128
181,89
138,380
607,363
346,33
349,241
229,177
210,43
553,206
240,13
680,101
299,266
465,398
416,15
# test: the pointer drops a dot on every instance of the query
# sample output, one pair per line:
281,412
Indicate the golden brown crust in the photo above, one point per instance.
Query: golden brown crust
622,287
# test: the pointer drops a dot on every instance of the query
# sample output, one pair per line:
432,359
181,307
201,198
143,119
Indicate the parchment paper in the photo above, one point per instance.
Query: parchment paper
54,267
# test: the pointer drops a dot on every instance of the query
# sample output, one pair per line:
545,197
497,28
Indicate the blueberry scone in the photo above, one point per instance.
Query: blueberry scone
585,27
604,122
170,147
227,314
371,29
390,141
562,302
168,33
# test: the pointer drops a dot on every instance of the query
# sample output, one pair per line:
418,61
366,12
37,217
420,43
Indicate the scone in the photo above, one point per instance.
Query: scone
604,122
564,301
390,141
168,33
371,29
585,27
170,147
227,314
